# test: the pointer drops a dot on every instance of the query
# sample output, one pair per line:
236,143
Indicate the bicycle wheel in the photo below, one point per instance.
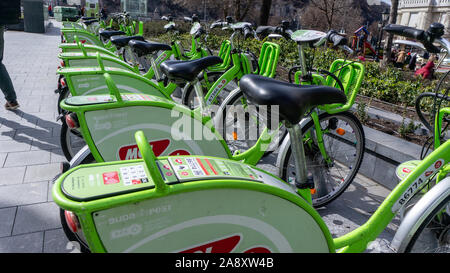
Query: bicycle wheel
433,234
344,143
71,141
424,108
63,94
190,99
243,125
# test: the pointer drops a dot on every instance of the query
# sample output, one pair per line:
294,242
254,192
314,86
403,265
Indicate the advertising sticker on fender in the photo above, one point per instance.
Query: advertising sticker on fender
159,146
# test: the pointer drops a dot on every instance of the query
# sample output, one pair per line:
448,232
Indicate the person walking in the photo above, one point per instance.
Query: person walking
9,14
400,58
412,62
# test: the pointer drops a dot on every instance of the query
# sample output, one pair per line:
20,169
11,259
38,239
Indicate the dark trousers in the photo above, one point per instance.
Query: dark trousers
5,81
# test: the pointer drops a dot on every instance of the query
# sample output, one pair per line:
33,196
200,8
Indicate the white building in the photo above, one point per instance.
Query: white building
421,13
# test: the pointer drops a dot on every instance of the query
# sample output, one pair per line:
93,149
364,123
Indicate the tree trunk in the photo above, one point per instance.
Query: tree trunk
387,48
237,10
265,12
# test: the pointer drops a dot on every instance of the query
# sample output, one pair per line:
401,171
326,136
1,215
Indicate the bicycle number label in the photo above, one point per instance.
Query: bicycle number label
216,90
417,185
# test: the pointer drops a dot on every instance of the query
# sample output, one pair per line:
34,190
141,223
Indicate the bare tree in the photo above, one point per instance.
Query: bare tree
387,48
329,17
265,12
235,8
331,9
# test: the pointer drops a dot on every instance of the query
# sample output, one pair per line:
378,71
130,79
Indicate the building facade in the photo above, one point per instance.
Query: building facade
421,13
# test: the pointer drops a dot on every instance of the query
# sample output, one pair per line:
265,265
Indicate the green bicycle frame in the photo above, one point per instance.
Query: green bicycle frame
351,75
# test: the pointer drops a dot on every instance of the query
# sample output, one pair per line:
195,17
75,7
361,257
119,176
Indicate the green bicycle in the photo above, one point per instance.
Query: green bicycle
333,137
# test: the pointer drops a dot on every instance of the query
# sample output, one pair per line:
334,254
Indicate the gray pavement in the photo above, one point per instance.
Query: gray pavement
30,157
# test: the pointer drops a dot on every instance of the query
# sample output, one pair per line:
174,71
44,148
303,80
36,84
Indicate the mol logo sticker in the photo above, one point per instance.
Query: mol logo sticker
158,146
224,245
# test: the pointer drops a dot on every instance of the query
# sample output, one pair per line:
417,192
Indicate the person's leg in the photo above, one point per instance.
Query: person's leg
5,81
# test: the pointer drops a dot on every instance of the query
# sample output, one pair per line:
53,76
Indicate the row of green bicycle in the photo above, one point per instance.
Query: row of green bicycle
235,114
236,143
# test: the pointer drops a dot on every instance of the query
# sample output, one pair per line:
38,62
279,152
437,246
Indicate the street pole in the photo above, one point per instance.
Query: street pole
204,10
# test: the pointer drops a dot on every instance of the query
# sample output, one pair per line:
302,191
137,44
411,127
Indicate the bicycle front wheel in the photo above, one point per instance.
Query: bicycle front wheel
343,144
433,234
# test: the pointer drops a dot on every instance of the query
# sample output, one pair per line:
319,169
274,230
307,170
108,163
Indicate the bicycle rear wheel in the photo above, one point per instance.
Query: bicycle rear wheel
344,143
71,141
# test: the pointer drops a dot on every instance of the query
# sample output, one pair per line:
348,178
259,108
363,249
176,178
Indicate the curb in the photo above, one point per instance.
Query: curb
383,154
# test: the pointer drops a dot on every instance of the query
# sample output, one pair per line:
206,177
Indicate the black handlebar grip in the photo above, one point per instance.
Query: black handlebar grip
199,32
247,32
425,37
405,31
265,30
336,39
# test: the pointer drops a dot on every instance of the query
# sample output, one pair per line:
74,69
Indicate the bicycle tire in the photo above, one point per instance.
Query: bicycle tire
419,111
431,219
64,138
63,94
344,183
247,143
189,96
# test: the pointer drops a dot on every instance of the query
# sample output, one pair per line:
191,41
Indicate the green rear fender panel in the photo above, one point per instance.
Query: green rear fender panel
226,206
109,127
90,81
75,59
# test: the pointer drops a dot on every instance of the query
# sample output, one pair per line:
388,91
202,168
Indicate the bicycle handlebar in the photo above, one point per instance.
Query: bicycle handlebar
432,34
338,41
283,30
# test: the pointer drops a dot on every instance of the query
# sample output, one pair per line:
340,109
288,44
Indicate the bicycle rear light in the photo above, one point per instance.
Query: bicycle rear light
72,121
62,81
72,221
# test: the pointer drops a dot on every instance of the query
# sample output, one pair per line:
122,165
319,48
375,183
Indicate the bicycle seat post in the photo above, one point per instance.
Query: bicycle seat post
155,68
301,54
199,92
303,179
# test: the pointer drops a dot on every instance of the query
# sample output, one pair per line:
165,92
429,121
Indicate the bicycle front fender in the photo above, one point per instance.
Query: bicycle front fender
80,157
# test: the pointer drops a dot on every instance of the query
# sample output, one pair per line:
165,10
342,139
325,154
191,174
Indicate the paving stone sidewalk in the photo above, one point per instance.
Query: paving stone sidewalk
30,157
29,146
